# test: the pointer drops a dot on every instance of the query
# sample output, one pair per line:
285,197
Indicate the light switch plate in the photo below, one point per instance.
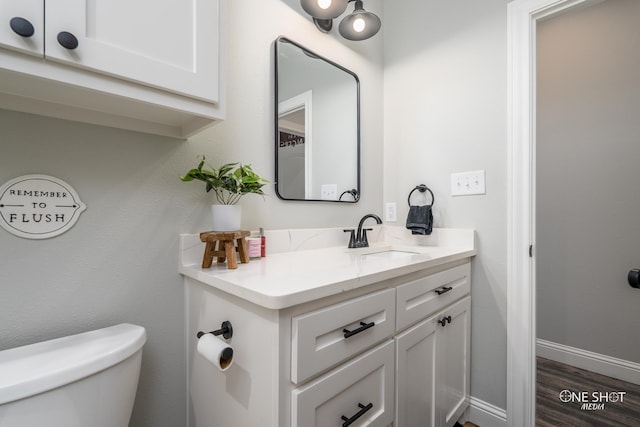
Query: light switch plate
329,191
390,212
468,183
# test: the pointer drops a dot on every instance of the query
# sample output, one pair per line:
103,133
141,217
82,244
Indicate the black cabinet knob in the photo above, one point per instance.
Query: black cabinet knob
21,27
634,278
67,40
444,320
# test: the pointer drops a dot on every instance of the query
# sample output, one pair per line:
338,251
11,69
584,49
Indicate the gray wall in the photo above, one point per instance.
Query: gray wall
588,151
445,111
119,263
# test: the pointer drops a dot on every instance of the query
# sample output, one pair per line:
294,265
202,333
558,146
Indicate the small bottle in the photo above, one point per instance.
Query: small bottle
254,244
263,243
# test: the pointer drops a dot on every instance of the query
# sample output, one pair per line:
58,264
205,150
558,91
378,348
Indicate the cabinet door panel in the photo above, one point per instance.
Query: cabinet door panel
30,10
415,375
172,46
453,342
365,380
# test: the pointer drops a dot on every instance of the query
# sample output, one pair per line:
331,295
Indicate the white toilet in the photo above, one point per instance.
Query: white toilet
84,380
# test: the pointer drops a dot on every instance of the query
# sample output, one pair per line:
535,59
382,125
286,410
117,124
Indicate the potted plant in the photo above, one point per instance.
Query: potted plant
229,183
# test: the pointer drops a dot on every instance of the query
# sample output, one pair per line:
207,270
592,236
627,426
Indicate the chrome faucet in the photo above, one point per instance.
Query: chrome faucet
359,239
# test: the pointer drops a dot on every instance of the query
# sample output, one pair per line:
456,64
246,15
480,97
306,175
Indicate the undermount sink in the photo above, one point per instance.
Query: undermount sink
392,254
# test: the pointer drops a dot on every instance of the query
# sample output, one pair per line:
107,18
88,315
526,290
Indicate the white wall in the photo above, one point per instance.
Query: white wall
250,101
587,182
119,263
445,111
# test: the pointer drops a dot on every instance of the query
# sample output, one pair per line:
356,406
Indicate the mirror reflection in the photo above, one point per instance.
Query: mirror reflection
317,127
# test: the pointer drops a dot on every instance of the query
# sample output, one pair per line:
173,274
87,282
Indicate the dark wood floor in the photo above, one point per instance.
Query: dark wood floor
554,377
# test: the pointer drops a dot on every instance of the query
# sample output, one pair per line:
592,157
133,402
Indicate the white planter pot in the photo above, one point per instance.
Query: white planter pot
226,217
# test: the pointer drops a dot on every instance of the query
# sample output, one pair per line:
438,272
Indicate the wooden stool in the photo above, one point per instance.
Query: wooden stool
226,249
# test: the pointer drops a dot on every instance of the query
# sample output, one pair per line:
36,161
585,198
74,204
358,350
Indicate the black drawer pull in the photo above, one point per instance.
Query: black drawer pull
443,290
445,320
363,327
363,409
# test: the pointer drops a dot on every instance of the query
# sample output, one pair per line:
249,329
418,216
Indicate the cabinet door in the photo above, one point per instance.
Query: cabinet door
415,375
453,341
172,45
31,11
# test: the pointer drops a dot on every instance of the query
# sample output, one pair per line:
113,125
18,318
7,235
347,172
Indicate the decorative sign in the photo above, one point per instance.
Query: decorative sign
290,139
38,206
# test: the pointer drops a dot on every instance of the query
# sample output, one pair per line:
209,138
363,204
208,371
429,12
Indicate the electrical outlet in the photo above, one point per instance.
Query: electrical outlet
390,212
468,183
329,191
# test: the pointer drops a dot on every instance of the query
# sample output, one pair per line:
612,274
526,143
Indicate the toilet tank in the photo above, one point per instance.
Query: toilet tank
88,379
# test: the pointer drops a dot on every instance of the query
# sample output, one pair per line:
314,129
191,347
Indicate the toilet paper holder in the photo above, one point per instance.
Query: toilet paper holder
226,330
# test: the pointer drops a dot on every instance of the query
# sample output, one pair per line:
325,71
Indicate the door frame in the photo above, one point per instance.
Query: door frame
522,17
302,101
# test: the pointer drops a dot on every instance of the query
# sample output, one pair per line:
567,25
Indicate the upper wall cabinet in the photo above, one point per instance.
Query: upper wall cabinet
121,63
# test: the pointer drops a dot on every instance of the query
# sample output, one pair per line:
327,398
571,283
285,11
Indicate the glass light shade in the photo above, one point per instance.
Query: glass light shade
360,25
324,9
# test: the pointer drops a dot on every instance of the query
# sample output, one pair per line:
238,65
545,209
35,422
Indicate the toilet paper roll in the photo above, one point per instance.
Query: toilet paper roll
216,351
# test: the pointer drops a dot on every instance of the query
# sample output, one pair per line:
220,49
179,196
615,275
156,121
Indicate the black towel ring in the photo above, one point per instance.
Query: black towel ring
421,188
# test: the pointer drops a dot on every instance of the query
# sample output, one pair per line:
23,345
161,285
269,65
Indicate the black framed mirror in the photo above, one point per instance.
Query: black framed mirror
317,124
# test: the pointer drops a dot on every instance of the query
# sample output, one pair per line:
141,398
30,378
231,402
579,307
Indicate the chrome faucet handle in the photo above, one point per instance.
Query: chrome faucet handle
352,238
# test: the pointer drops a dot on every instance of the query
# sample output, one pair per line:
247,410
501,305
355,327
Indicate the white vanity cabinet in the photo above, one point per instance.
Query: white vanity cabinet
392,353
130,64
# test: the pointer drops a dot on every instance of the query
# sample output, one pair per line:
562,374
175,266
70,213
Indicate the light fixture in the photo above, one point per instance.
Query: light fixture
359,25
324,11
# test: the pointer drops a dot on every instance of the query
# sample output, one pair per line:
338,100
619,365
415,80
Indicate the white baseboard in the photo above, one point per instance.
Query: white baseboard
599,363
485,414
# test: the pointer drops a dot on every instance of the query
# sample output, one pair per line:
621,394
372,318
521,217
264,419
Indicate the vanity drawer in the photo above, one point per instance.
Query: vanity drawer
364,386
423,297
319,340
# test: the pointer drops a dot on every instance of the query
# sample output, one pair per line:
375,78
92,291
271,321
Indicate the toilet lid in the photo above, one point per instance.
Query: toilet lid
36,368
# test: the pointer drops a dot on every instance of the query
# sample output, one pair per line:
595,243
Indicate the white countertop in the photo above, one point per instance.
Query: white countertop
285,279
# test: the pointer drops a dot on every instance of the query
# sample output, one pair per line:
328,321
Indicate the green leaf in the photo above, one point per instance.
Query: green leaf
225,169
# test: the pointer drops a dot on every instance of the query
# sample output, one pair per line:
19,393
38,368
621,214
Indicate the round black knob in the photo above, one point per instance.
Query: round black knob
21,27
634,278
67,40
